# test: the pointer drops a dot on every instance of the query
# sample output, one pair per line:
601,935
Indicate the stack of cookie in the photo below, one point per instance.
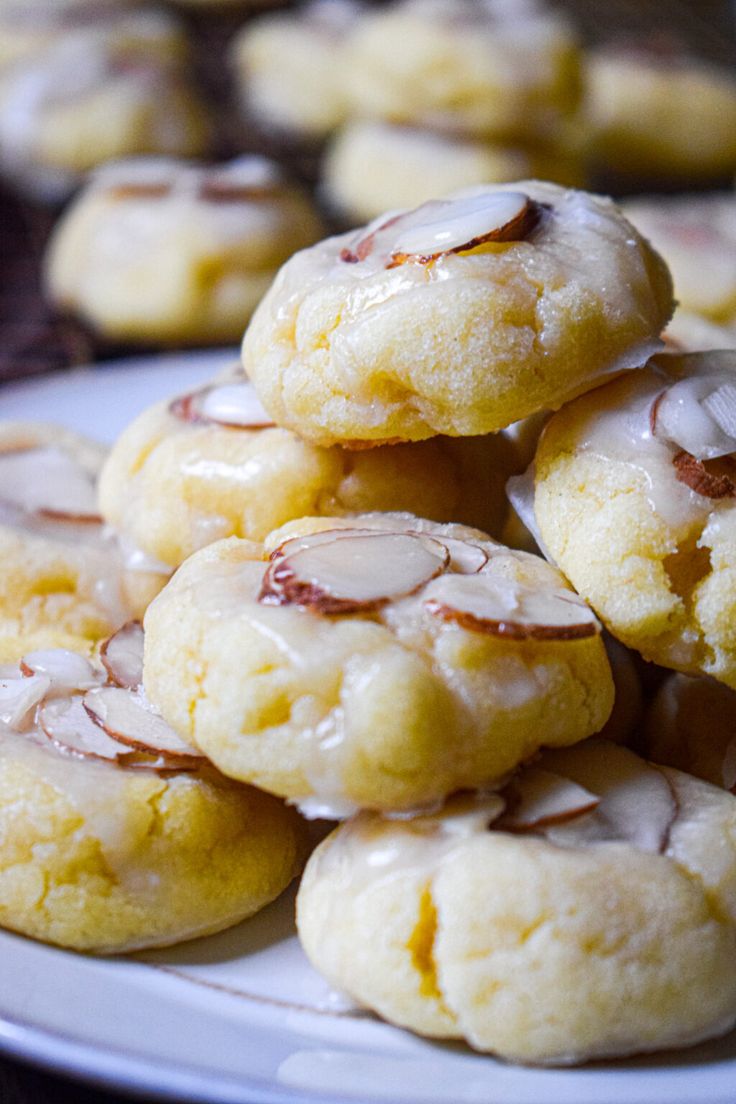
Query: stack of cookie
331,621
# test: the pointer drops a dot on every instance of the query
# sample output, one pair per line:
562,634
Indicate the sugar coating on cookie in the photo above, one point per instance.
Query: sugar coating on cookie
102,91
114,835
459,317
660,115
212,464
376,661
697,238
164,250
61,581
691,725
290,67
587,910
372,166
634,498
505,70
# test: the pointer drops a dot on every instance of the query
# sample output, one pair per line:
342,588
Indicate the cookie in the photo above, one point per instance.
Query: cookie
691,725
587,910
459,317
661,116
498,70
697,238
212,464
91,97
290,68
380,661
372,166
634,498
114,835
159,250
688,332
61,582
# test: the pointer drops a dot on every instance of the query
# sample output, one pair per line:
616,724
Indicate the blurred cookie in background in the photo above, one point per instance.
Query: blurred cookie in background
373,166
163,251
100,90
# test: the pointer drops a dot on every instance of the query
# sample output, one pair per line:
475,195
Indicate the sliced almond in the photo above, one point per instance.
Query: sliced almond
501,607
233,405
70,728
65,670
466,558
539,798
698,413
459,225
637,803
718,480
127,718
140,190
353,571
49,482
122,655
366,243
18,696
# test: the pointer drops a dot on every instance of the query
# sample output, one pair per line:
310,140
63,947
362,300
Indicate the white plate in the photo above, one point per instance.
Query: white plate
241,1016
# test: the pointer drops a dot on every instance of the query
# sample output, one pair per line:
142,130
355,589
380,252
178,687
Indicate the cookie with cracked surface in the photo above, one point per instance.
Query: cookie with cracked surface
114,835
160,250
587,910
459,317
377,661
212,464
634,498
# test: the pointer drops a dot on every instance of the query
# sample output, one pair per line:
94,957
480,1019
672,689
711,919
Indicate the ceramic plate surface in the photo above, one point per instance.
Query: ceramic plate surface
241,1017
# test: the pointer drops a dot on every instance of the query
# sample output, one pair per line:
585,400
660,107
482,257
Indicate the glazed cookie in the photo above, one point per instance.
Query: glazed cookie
660,116
509,71
114,835
459,317
697,238
585,911
212,464
89,98
634,499
158,250
290,68
61,579
691,725
371,167
380,661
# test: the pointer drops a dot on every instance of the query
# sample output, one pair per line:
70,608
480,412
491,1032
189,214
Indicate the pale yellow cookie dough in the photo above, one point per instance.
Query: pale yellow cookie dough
391,706
110,857
89,98
160,250
61,576
696,235
373,166
661,117
171,486
290,68
540,945
619,510
351,343
510,72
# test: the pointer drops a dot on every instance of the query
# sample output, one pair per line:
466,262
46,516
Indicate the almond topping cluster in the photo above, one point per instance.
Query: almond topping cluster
59,698
344,571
